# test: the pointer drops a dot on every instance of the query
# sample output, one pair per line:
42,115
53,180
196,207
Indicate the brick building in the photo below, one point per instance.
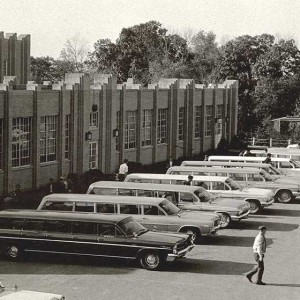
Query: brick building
14,57
76,125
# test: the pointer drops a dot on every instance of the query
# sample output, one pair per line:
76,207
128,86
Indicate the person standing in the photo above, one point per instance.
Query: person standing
268,159
205,158
189,181
123,170
259,249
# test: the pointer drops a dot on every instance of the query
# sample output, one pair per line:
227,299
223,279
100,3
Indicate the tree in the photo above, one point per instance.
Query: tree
75,54
237,59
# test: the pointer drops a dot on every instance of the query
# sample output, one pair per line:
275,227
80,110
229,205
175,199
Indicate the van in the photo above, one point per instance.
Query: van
285,190
279,163
225,187
185,197
153,213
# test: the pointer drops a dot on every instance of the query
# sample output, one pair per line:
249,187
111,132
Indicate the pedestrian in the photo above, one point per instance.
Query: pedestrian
205,158
123,170
189,181
268,159
50,187
259,249
60,186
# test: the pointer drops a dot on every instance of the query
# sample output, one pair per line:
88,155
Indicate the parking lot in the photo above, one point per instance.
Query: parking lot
212,270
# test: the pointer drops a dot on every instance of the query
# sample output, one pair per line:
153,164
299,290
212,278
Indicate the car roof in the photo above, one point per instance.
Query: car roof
143,186
175,177
191,163
249,158
216,169
65,215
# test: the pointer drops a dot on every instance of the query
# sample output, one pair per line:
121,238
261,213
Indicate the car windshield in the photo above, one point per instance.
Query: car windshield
233,184
204,195
131,227
295,164
168,207
267,176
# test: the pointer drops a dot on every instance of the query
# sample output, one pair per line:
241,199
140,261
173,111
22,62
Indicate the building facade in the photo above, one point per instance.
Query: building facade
76,125
14,57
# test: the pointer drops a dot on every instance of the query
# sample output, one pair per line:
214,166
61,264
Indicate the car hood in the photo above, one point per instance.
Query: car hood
163,237
288,180
198,215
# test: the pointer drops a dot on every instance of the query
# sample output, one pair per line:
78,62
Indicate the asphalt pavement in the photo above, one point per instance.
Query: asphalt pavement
212,270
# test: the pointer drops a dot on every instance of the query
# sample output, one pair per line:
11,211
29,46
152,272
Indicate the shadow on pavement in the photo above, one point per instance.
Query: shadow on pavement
220,267
235,241
284,284
273,226
280,212
47,264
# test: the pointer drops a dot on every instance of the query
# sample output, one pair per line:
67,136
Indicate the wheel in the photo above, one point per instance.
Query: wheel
14,252
284,196
150,261
254,206
225,220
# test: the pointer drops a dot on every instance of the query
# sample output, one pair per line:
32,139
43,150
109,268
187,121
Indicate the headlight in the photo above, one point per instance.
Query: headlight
175,249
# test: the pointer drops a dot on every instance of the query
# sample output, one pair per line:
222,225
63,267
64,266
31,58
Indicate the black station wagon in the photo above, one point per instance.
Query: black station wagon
95,235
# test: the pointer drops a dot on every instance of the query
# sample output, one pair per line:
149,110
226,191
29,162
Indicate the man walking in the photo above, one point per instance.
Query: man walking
259,249
123,170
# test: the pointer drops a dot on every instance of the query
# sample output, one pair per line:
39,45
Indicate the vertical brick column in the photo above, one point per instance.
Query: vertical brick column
139,125
189,117
154,127
202,129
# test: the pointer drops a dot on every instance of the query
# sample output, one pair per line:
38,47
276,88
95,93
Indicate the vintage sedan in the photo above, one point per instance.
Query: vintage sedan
88,234
154,213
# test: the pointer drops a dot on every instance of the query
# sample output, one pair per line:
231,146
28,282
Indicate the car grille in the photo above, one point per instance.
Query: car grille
183,245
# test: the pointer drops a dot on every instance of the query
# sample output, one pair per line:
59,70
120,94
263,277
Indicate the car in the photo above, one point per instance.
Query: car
154,213
224,187
88,234
29,295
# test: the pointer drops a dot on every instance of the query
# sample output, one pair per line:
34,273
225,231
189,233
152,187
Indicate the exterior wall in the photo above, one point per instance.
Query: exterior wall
16,51
80,99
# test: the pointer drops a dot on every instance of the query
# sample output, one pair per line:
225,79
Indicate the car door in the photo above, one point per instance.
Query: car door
153,218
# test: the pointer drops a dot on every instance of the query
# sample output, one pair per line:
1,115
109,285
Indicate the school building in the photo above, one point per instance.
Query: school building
78,124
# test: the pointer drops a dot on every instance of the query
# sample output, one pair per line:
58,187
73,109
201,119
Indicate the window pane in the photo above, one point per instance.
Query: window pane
84,206
84,228
106,208
35,225
58,226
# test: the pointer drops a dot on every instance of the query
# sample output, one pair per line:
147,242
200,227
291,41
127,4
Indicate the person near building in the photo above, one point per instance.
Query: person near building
259,249
205,158
123,170
268,159
50,187
189,181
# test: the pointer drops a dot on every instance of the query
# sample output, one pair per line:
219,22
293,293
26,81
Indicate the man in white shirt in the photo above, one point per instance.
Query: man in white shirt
259,249
123,170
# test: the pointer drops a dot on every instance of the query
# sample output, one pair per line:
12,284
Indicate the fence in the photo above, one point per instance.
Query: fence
270,142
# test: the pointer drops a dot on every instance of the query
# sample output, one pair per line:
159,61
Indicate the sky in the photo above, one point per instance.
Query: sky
51,22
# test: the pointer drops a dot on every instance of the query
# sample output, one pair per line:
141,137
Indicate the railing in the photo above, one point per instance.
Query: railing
270,142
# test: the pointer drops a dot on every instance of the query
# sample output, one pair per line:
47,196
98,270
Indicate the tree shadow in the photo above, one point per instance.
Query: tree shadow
273,226
235,241
190,265
66,265
280,212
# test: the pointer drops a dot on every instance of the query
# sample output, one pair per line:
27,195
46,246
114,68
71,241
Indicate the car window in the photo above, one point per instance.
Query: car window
104,191
129,209
125,192
145,193
83,228
58,205
58,226
37,225
109,230
285,165
254,177
219,186
106,208
238,176
186,197
84,206
152,210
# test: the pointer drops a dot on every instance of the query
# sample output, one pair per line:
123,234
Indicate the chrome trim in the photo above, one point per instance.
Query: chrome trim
172,256
243,216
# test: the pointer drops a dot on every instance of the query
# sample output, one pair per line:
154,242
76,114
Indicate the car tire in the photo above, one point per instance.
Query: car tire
225,220
284,196
255,206
150,260
14,252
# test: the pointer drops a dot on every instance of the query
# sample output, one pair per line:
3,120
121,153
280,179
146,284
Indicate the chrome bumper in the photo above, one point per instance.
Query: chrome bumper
181,253
239,217
265,204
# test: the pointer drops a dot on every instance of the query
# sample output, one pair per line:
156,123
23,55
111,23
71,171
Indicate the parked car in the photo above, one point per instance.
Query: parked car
29,295
91,234
153,213
228,210
225,187
284,190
